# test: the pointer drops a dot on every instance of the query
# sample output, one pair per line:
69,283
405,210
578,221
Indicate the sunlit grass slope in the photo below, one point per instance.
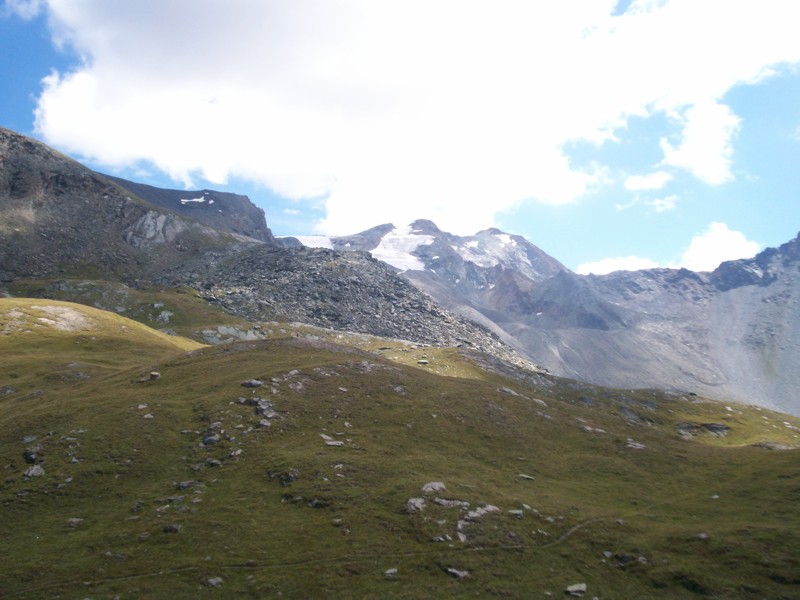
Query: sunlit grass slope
184,487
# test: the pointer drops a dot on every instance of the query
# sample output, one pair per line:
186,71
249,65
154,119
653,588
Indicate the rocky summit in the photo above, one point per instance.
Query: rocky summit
729,334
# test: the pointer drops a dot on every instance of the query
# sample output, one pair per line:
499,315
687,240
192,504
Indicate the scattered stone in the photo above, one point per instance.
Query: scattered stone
717,429
451,503
634,445
74,522
31,455
148,416
7,390
482,510
211,439
185,485
28,439
415,504
34,471
215,582
264,423
457,573
235,453
524,476
213,462
461,537
516,513
172,528
325,437
287,477
141,407
334,443
578,589
607,554
252,383
702,536
434,486
154,375
390,573
422,362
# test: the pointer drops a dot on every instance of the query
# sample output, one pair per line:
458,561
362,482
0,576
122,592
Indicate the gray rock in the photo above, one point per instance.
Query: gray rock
433,487
185,485
390,573
215,582
458,574
211,439
74,522
31,455
527,477
34,471
172,528
252,383
415,504
451,503
577,589
516,513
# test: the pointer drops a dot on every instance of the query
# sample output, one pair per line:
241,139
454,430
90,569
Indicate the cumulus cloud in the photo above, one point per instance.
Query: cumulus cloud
396,110
706,144
620,263
715,245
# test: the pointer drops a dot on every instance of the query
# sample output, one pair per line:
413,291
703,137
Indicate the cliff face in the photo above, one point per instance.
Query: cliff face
233,213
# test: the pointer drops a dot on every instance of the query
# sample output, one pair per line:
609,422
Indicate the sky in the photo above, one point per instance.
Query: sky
613,134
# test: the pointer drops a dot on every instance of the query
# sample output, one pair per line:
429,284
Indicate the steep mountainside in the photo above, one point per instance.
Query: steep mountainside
224,211
729,334
59,220
58,217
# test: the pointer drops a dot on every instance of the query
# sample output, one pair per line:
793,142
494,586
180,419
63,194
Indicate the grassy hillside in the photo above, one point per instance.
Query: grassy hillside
177,487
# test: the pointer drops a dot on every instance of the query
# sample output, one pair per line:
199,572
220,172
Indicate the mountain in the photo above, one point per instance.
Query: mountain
59,220
301,456
223,211
730,334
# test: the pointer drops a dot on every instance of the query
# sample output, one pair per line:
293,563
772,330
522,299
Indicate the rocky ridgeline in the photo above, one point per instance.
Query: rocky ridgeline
348,291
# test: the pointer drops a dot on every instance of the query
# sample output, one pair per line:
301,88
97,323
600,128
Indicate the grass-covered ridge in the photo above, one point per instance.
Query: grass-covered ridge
158,488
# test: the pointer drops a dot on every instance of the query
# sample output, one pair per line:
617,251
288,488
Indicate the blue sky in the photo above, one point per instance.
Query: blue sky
610,134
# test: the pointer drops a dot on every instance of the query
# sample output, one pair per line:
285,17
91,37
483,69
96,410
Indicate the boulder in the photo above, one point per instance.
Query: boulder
415,504
577,589
433,487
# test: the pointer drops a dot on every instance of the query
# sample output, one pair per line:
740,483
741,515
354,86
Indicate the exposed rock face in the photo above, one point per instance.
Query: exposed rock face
732,333
57,216
223,211
348,291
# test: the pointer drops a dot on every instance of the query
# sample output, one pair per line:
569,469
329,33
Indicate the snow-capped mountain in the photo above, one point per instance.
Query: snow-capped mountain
731,333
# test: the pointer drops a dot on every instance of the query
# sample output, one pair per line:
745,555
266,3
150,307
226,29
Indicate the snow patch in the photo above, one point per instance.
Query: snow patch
396,248
186,201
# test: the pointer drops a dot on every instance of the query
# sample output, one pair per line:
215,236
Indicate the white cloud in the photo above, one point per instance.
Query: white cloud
396,110
620,263
706,145
24,9
664,204
715,245
652,181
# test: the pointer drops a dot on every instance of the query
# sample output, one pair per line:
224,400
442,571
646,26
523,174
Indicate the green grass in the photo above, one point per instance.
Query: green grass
335,529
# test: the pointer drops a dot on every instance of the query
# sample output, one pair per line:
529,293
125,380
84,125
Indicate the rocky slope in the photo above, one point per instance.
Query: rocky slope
61,220
728,334
58,217
345,291
223,211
